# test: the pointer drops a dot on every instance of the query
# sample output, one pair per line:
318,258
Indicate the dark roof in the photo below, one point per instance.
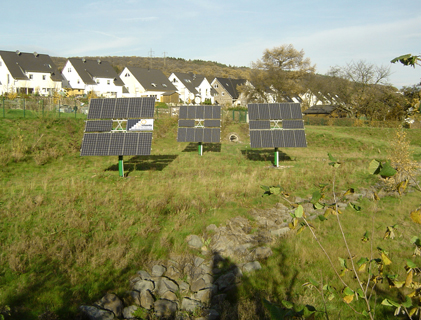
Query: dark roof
90,69
18,63
320,109
230,85
190,80
151,79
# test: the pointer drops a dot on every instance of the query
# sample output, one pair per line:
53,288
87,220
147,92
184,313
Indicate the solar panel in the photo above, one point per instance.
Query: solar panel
182,135
293,124
119,143
102,144
262,135
186,123
256,124
88,144
182,114
210,132
212,123
95,107
98,126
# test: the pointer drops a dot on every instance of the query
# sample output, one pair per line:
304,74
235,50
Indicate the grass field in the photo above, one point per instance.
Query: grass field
71,229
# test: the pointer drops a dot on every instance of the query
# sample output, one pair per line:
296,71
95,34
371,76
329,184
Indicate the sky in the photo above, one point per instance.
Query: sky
232,32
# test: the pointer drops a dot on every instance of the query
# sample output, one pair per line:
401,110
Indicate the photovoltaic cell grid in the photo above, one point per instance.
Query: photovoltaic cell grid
116,144
98,142
209,133
121,108
291,135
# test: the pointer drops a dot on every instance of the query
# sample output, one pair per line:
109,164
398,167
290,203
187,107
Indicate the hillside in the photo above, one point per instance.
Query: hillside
168,65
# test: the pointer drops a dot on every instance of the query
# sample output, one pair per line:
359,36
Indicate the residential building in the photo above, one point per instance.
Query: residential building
192,88
83,76
227,93
29,73
141,82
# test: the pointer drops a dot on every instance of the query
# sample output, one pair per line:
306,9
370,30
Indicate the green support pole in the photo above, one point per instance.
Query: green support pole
120,166
200,148
276,161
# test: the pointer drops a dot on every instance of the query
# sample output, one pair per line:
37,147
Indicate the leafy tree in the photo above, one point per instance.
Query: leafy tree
363,91
279,73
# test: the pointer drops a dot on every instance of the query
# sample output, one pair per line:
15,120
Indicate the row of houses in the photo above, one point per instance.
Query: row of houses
31,73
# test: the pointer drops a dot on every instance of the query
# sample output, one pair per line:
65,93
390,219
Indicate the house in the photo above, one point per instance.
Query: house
83,76
141,82
227,93
192,87
325,111
28,73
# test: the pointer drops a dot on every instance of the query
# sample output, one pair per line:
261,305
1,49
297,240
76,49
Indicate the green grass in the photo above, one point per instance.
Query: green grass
71,229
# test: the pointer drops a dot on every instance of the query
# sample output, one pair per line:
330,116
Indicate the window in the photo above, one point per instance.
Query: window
78,81
175,80
69,69
153,85
223,93
215,85
44,77
108,82
97,81
164,85
31,76
187,80
127,75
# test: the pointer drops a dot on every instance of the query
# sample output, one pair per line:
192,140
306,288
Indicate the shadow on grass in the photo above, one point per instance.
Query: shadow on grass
207,147
264,155
145,163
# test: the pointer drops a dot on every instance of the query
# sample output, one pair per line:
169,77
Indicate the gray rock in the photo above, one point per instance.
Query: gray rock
165,308
198,285
262,253
225,281
169,295
111,303
252,266
205,296
190,304
280,232
211,228
133,297
144,275
194,241
158,270
129,311
97,314
164,284
184,286
198,261
173,272
143,285
146,299
211,314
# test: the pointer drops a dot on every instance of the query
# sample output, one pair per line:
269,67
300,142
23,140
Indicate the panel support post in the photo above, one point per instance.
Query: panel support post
120,166
200,148
276,160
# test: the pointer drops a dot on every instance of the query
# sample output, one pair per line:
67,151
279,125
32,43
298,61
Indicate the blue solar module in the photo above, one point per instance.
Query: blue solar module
182,135
289,138
182,114
95,108
88,144
108,108
207,135
258,125
264,111
144,144
293,124
267,141
148,107
102,144
296,111
116,144
98,126
216,135
300,139
253,111
191,112
212,123
278,139
186,123
200,112
216,112
208,112
274,111
198,135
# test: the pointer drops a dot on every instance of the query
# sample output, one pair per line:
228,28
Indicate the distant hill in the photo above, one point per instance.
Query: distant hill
209,69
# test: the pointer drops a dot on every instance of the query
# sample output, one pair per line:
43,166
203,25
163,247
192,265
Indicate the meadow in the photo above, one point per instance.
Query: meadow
71,229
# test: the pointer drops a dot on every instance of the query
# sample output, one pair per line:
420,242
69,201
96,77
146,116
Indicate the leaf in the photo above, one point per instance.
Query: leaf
322,218
275,190
374,167
412,311
331,158
402,186
398,284
293,224
265,188
299,211
355,207
362,261
365,237
318,206
317,195
314,282
411,264
360,293
348,299
390,303
348,291
343,263
386,259
390,233
416,216
349,191
408,280
329,211
376,196
301,229
362,267
287,304
387,170
407,303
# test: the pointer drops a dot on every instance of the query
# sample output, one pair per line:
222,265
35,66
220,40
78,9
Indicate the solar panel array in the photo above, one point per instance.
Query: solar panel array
289,129
99,138
121,108
209,118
